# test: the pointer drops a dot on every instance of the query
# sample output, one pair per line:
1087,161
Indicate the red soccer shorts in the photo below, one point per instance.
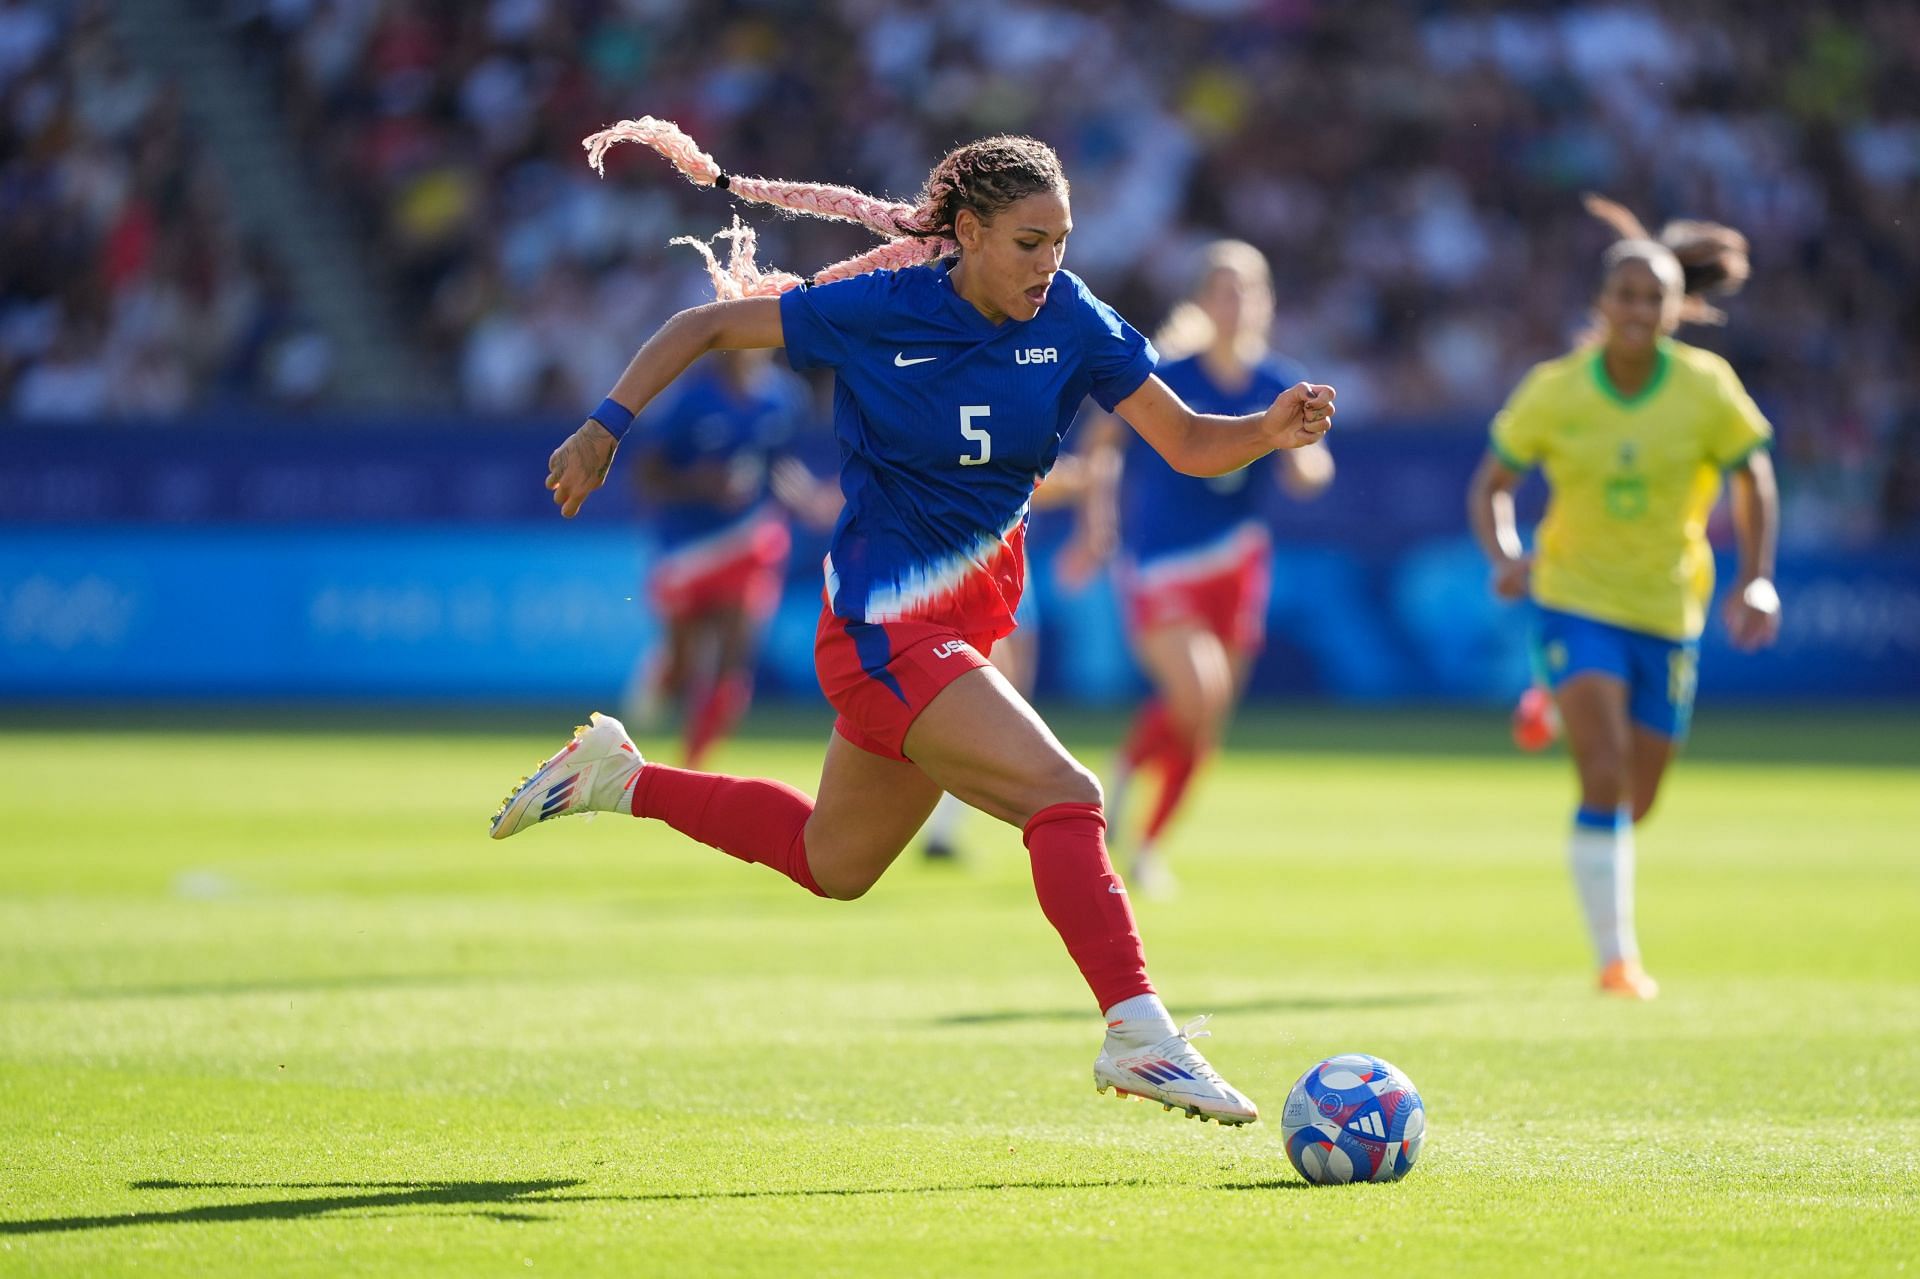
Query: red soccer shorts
1222,589
880,675
739,569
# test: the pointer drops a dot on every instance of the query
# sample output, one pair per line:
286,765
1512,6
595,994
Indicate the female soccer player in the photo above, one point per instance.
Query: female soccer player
1196,554
707,480
956,371
1633,431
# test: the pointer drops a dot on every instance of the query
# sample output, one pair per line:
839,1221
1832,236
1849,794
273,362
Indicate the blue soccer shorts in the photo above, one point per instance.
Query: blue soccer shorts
1659,673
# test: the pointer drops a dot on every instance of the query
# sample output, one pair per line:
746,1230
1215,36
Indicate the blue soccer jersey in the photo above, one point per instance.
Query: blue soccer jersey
1164,513
945,422
707,420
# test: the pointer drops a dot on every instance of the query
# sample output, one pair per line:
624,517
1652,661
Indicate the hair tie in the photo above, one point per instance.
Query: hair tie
723,181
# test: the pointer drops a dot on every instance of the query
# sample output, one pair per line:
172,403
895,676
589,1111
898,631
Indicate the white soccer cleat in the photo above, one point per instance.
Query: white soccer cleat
592,773
1173,1073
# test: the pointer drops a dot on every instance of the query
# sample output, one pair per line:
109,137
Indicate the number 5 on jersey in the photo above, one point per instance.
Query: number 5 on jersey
976,434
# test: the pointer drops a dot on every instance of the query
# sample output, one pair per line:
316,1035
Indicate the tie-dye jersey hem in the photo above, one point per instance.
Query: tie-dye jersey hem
975,590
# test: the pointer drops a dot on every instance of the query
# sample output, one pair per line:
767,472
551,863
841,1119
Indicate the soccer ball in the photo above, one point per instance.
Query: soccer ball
1353,1118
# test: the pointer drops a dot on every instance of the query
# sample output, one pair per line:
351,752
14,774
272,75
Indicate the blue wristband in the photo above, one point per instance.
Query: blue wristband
613,415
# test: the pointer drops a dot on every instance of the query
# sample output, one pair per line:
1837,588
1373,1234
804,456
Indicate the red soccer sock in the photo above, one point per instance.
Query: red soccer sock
1084,900
1182,760
751,818
716,714
1148,737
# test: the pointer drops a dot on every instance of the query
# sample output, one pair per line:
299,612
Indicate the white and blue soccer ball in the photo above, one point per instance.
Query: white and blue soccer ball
1353,1118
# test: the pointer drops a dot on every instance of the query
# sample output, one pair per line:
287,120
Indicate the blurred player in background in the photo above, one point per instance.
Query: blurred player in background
1196,554
961,352
707,482
1633,431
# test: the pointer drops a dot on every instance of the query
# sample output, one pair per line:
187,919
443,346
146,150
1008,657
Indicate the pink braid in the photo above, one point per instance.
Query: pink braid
742,277
663,136
890,256
822,200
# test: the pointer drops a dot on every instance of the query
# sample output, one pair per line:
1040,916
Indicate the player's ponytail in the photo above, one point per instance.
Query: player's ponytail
740,276
1712,258
821,200
985,176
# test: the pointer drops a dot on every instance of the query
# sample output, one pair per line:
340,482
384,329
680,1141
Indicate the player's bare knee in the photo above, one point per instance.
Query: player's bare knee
1071,782
1188,712
1061,781
1213,724
1196,726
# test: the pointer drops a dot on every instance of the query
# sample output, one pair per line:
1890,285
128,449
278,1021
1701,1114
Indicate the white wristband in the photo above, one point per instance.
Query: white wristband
1761,597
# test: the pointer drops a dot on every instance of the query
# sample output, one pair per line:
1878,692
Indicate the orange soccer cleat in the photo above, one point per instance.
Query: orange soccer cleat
1627,979
1536,721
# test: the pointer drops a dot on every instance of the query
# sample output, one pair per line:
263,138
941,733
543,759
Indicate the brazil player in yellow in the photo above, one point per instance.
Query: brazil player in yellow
1633,432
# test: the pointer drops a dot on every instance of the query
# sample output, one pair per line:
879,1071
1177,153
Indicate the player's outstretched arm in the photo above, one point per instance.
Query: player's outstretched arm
579,465
1208,444
1490,512
1752,609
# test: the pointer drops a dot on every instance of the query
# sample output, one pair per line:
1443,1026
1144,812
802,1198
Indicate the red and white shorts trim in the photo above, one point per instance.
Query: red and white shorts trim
739,568
1222,587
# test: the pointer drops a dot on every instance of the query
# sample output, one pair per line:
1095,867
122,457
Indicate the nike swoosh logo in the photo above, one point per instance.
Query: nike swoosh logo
1115,888
900,360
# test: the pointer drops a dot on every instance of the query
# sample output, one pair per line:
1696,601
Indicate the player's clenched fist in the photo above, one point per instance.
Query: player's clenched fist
1300,416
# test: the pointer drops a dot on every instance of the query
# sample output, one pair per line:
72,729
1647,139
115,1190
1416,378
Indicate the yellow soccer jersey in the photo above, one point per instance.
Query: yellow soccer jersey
1625,535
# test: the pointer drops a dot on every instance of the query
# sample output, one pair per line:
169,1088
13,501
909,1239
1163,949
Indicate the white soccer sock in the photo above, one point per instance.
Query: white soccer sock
941,827
1142,1021
1601,854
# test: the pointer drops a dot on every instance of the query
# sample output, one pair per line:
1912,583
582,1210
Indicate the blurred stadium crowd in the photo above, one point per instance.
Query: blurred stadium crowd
125,289
1412,170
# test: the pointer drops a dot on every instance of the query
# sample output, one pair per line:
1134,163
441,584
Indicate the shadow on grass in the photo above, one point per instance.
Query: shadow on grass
495,1200
1296,1004
378,1194
847,1192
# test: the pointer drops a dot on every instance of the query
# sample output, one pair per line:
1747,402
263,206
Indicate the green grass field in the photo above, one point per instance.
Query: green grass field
272,1004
